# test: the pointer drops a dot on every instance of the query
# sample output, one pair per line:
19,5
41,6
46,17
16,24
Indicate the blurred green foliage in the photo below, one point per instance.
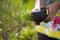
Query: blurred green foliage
15,20
52,1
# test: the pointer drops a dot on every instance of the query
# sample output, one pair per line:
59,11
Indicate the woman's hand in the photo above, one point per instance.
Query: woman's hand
52,9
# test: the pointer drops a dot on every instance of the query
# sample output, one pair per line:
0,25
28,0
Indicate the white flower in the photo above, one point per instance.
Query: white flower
0,22
0,29
16,34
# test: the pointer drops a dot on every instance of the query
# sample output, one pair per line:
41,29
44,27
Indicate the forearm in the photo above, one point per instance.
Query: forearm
37,3
37,6
40,3
59,5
